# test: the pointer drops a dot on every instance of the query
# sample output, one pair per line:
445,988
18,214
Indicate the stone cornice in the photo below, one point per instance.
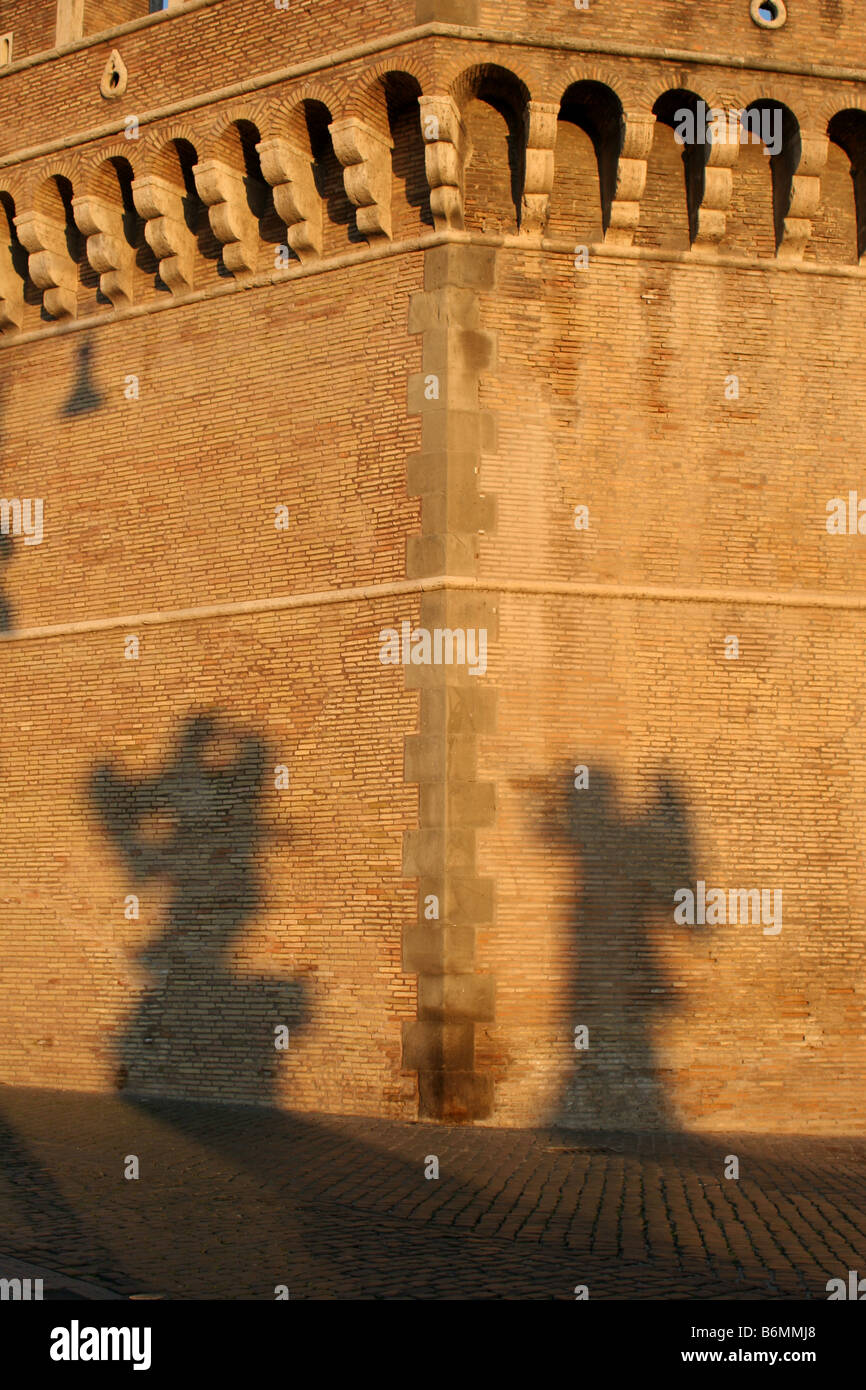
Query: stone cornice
367,593
436,29
683,259
501,38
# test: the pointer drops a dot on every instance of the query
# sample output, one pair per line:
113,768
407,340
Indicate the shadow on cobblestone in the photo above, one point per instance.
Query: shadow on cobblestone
235,1200
38,1211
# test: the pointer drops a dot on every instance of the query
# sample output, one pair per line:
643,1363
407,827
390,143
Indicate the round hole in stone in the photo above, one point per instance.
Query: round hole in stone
769,14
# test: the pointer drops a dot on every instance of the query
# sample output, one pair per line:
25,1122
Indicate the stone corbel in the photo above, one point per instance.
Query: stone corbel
444,152
637,138
289,171
160,203
51,267
366,159
541,126
711,212
805,196
108,250
221,189
11,292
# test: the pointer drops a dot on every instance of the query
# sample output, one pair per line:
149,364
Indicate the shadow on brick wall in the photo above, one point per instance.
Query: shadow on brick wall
6,616
202,1028
627,869
6,543
85,396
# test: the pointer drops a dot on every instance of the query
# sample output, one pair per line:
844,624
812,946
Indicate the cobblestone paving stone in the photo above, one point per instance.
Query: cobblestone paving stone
232,1201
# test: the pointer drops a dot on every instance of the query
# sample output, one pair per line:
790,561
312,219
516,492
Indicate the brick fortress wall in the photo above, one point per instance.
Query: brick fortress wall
430,341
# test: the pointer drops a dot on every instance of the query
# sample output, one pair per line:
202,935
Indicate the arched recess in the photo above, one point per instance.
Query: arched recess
588,143
493,105
309,129
839,230
252,229
53,205
675,173
20,300
410,200
378,139
111,184
769,153
175,163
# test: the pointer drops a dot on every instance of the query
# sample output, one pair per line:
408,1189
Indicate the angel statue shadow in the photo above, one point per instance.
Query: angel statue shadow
201,1028
627,870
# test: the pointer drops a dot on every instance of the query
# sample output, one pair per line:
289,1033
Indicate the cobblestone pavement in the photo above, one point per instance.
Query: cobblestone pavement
232,1201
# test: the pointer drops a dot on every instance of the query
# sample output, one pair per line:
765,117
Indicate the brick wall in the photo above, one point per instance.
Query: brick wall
264,905
258,907
108,14
743,773
32,26
829,31
430,387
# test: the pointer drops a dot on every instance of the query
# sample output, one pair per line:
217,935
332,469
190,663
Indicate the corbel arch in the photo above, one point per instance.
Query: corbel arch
176,224
46,228
230,182
130,151
588,144
840,224
677,179
217,141
587,70
776,186
492,103
490,81
406,67
157,136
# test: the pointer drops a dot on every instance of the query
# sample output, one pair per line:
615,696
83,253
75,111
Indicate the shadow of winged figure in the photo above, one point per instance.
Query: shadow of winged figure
627,869
201,1029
